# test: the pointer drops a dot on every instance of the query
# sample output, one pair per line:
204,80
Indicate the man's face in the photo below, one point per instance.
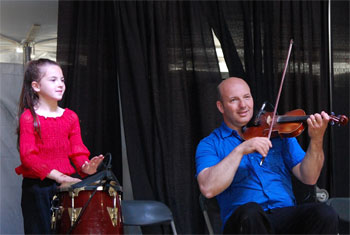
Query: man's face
236,104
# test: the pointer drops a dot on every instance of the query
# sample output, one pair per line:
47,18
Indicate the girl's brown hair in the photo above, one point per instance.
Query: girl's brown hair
29,98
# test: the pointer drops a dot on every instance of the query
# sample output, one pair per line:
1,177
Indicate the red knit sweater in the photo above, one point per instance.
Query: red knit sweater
60,142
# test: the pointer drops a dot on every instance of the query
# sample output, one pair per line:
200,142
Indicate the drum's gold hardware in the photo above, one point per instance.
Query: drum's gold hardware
75,192
99,188
73,214
71,211
54,212
53,221
57,212
113,213
56,216
60,212
120,202
112,192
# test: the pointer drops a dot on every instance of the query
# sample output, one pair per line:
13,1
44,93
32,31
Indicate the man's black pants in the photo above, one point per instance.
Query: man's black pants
308,218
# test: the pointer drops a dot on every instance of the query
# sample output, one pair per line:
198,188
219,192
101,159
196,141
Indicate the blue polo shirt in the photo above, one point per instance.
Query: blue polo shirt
268,185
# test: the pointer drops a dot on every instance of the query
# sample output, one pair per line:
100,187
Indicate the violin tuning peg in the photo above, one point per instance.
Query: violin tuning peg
332,113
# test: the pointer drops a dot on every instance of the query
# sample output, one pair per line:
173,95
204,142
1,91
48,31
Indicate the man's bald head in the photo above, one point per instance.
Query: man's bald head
231,81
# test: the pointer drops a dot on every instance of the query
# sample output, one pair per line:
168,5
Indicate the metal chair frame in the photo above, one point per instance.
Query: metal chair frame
203,201
146,212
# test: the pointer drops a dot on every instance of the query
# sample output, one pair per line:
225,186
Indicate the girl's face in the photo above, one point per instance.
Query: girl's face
51,86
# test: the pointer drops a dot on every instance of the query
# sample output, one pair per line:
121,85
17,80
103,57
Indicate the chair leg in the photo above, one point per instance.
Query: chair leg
207,221
173,227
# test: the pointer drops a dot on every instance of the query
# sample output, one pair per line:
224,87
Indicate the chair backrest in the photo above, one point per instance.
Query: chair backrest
342,206
211,213
146,212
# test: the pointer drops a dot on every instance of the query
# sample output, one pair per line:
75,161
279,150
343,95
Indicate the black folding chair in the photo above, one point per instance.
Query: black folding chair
146,212
211,213
342,206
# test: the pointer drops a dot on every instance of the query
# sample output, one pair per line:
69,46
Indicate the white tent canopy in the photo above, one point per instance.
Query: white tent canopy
28,27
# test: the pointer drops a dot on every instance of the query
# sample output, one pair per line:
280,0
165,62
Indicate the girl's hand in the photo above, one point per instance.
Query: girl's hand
67,179
91,167
62,178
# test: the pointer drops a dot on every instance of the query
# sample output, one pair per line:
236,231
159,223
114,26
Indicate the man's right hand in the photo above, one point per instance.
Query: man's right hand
261,145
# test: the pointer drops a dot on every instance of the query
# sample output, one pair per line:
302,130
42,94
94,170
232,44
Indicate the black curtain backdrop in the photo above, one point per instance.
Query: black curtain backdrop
340,99
162,55
168,74
85,50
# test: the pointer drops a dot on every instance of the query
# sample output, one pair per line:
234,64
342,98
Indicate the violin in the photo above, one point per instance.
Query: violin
291,124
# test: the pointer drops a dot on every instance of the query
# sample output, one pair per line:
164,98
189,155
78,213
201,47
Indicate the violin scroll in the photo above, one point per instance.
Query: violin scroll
341,120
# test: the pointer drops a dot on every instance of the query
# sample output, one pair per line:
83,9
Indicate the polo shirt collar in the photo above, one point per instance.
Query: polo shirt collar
226,131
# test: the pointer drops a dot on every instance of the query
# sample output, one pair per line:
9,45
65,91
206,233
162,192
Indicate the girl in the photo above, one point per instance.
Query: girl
48,139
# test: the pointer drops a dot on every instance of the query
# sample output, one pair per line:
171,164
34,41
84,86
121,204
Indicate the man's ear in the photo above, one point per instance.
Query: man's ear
35,86
219,106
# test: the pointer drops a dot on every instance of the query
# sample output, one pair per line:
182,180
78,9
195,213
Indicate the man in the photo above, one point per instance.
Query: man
254,198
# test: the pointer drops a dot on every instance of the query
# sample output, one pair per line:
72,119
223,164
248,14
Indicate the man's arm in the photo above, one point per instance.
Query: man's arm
216,179
310,168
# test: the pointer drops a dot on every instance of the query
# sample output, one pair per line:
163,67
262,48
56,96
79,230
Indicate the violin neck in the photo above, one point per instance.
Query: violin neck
286,119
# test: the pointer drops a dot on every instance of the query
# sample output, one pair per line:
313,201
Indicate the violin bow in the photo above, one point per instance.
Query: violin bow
279,94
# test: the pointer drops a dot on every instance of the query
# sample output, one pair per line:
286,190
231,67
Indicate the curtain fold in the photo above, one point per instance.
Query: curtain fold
84,50
340,25
168,74
214,14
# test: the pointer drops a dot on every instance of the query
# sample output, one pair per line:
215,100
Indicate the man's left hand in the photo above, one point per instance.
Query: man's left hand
317,125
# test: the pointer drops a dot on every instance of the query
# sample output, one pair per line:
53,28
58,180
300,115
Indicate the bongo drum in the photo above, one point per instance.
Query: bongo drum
88,210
